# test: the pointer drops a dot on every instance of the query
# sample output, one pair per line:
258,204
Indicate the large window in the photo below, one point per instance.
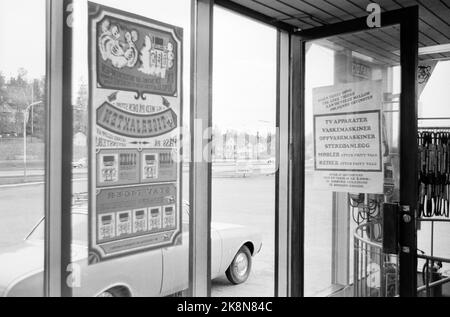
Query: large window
244,151
23,110
351,165
161,271
22,145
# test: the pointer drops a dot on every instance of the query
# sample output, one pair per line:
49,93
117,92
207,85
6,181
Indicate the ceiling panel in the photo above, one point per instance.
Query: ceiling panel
446,55
295,17
303,13
332,9
434,23
441,9
266,10
432,12
312,9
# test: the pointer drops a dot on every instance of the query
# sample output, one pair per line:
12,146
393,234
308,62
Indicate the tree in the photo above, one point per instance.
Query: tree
2,88
19,93
80,114
269,144
3,116
39,111
19,90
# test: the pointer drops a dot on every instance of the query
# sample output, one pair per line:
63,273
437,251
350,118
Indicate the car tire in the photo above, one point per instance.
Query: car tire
109,293
241,266
114,292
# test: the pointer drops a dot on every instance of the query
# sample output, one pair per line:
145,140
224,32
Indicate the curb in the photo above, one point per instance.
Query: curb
32,184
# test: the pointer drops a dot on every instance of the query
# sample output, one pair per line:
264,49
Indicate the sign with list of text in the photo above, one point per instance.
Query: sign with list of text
348,138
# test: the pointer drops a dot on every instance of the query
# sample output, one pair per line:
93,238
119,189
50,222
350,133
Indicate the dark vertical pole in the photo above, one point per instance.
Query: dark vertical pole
298,166
67,140
408,153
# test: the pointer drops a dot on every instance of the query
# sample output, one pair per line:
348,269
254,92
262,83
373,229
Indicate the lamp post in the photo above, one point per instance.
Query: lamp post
26,117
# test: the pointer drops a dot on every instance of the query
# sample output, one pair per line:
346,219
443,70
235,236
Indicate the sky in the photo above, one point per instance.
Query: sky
22,34
244,73
244,54
244,81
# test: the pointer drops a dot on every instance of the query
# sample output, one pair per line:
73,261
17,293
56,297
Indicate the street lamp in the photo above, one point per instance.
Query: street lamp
26,117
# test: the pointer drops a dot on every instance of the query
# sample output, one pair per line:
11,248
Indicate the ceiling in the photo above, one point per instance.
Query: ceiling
381,44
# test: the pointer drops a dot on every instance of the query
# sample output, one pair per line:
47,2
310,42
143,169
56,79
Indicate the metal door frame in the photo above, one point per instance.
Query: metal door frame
289,275
407,19
58,149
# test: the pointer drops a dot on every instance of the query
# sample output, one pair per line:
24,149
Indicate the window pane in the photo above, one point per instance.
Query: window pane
352,164
244,133
123,167
22,146
433,101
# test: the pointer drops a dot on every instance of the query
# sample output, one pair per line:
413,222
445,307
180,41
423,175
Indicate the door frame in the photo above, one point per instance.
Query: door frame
407,19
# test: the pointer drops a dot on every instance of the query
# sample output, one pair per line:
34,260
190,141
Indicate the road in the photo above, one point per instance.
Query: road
15,176
21,208
246,201
250,202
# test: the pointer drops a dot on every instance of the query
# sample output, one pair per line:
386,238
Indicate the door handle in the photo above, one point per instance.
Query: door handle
391,213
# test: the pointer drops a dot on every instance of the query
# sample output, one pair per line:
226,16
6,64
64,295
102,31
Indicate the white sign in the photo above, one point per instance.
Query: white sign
348,138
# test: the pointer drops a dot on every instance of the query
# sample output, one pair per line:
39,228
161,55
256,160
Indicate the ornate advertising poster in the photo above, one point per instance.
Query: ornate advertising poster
135,69
348,138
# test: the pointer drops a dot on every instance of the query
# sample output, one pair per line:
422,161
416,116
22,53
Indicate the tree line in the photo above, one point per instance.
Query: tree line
18,92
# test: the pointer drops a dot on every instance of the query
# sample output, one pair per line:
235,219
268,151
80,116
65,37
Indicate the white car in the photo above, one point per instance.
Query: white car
150,274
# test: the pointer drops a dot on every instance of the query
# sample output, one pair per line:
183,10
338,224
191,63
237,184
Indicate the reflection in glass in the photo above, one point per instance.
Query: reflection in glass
352,165
243,171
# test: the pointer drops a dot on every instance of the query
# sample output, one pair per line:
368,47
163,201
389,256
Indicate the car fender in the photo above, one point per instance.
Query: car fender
117,285
29,285
233,238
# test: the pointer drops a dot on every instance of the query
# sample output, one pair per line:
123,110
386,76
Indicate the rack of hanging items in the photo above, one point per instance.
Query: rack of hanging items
434,202
434,172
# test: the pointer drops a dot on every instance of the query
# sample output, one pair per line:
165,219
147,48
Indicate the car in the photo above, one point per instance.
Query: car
81,163
10,134
158,273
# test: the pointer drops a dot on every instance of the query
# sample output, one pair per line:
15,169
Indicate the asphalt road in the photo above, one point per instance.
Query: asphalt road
250,202
21,208
246,201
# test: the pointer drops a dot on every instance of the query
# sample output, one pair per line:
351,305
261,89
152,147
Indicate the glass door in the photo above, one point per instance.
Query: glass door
355,233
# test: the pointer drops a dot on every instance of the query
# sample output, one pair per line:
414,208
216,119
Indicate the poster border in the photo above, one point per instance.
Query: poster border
95,250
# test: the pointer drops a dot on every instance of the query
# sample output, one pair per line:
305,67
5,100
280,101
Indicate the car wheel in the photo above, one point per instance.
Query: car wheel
239,270
107,294
115,292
